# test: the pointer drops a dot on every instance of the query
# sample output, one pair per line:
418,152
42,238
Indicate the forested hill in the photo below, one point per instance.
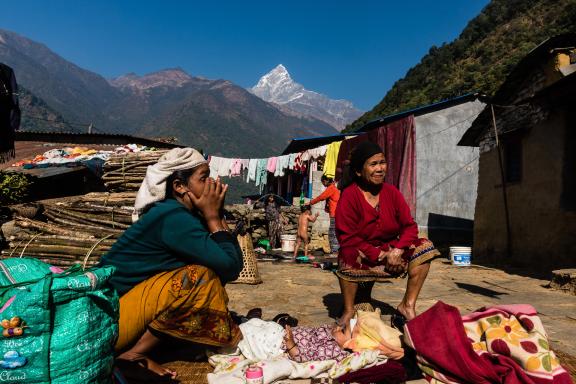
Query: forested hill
481,57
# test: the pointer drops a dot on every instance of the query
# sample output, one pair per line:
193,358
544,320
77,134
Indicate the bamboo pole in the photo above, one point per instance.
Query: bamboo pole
23,222
85,227
84,218
504,191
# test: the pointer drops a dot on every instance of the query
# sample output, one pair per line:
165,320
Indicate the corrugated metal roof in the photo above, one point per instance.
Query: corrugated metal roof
419,111
300,144
91,138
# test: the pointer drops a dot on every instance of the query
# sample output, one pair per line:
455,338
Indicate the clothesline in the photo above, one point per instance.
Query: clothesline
257,169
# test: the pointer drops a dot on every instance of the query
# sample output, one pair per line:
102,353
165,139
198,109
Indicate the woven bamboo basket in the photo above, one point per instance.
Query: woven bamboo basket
249,273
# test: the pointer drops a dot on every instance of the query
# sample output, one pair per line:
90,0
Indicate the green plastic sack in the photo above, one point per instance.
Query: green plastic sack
265,243
70,323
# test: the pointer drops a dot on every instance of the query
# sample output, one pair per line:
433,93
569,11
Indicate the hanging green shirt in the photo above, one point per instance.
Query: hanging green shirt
167,237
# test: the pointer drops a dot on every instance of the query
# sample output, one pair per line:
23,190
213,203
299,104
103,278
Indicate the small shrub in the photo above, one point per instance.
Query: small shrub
14,187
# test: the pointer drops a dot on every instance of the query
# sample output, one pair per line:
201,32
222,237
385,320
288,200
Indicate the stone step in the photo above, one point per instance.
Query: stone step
564,280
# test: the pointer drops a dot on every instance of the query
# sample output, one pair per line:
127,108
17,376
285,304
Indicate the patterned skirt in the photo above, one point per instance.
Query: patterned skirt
420,252
188,303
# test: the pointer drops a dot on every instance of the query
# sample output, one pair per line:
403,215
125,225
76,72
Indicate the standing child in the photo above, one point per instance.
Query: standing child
305,217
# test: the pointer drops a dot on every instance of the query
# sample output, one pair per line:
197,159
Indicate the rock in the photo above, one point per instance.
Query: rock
9,229
256,219
564,280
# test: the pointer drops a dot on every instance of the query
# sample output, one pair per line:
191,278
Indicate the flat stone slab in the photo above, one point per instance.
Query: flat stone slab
564,280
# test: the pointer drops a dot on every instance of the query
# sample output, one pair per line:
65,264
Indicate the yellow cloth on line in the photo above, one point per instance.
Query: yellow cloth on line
331,159
188,303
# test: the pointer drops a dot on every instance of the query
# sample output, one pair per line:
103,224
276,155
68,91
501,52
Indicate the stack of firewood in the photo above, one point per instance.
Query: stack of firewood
77,230
125,172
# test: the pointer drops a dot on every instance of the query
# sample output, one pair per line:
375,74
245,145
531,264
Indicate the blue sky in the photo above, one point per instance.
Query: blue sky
351,49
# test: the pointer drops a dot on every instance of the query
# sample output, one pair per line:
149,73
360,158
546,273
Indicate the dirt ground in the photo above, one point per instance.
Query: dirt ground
313,295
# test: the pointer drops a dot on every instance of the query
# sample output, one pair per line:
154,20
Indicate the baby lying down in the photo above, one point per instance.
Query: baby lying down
325,342
365,331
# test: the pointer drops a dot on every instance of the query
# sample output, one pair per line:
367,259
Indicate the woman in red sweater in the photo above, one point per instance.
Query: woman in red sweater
377,234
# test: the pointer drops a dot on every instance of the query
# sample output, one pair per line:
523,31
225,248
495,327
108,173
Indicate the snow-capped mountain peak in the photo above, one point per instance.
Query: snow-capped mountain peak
278,87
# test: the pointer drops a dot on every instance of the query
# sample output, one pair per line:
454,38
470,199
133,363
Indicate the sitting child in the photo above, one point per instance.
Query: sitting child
305,217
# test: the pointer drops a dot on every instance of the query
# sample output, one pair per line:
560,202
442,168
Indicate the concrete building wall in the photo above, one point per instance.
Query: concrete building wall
542,232
446,174
321,225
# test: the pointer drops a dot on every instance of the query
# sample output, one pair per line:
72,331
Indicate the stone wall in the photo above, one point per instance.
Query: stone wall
256,221
446,174
542,232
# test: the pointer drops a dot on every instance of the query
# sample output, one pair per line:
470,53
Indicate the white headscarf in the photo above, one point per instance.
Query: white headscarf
153,186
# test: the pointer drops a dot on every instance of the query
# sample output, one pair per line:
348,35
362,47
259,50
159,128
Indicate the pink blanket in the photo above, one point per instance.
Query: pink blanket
501,344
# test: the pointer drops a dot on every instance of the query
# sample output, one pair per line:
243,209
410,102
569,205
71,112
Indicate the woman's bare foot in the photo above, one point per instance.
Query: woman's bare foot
344,320
408,312
147,363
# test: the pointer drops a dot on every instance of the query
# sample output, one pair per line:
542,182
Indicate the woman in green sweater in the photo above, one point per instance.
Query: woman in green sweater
173,262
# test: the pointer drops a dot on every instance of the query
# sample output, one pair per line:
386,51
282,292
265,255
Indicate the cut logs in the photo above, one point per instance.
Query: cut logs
125,172
76,230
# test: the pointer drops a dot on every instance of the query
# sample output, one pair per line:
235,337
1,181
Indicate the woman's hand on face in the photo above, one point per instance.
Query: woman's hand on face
210,202
222,192
394,260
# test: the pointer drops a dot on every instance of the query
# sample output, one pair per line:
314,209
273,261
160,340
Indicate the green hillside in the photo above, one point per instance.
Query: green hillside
38,116
481,57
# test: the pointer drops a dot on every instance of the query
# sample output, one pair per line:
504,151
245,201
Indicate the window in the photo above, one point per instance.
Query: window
513,159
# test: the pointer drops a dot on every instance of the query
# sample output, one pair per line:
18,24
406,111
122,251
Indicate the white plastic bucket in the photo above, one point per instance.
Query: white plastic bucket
461,256
288,242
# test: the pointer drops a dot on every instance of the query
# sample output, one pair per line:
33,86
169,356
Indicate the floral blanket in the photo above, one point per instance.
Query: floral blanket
229,369
501,344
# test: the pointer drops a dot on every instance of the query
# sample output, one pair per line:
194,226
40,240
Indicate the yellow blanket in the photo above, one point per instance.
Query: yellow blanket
371,333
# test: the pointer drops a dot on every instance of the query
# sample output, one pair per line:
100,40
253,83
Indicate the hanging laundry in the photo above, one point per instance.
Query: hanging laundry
317,152
225,167
331,159
261,172
281,165
9,112
214,164
236,168
313,165
271,166
298,162
219,166
251,174
291,161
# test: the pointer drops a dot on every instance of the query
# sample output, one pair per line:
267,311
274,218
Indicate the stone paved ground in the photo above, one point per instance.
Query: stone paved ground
312,295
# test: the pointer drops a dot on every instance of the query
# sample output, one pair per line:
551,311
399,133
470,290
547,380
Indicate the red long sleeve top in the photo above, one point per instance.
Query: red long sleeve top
332,194
360,227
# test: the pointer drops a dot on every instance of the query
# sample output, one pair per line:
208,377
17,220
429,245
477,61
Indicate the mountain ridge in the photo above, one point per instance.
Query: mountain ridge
162,102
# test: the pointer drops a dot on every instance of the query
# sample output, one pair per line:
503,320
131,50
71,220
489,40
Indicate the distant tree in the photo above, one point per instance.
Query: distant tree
480,58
